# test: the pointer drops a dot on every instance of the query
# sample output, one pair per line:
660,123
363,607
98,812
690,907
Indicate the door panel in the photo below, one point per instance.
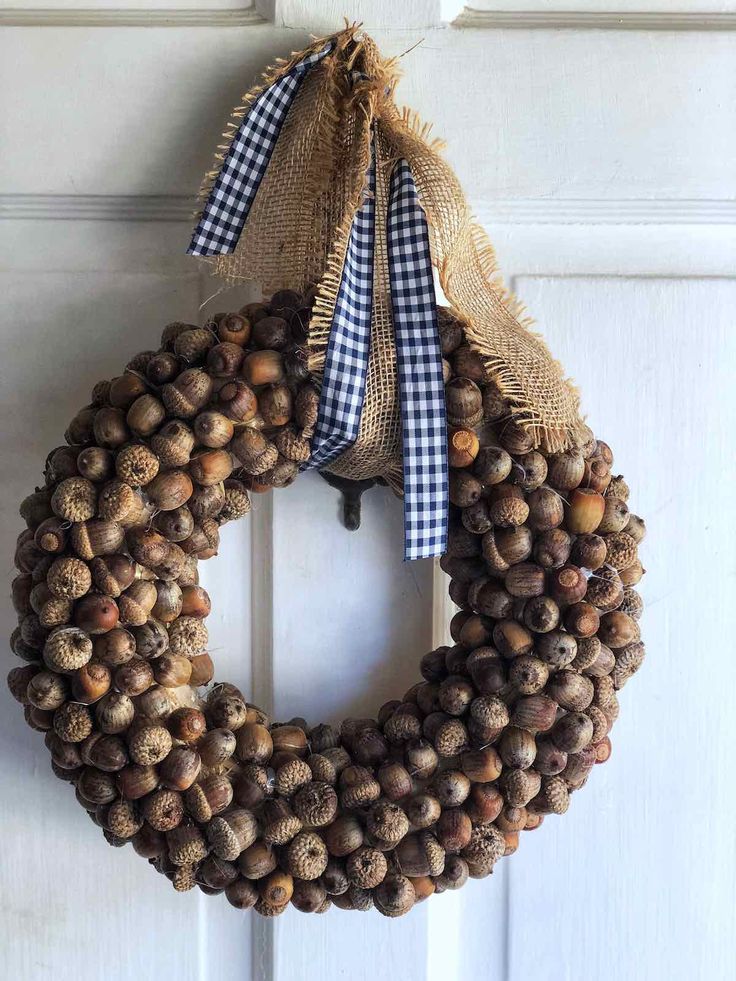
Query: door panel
599,158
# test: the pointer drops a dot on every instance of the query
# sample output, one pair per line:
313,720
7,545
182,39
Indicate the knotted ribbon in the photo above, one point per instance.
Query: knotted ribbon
413,304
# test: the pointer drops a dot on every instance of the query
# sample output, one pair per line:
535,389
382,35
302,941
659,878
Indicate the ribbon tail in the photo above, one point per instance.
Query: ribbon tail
419,362
246,161
346,359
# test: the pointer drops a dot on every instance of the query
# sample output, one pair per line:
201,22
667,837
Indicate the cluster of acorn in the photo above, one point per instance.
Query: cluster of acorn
378,812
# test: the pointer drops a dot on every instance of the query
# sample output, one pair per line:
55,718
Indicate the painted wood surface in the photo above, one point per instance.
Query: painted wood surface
600,161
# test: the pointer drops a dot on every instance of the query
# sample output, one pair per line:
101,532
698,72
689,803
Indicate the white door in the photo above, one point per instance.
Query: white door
597,147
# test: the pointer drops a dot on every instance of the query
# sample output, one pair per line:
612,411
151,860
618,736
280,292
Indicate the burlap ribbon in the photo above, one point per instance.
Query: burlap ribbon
297,231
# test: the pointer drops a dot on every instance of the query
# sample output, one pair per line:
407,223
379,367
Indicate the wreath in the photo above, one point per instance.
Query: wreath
541,553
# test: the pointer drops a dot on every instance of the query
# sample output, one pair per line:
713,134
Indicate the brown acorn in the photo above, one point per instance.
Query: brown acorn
464,403
265,367
224,359
95,463
173,444
125,389
546,509
210,466
463,447
213,429
187,394
585,511
276,406
234,328
254,451
96,537
170,490
145,415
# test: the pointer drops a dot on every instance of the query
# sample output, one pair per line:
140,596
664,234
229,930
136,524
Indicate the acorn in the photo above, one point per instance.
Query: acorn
275,405
213,429
210,466
635,528
581,620
565,470
145,415
114,713
528,674
571,691
512,639
507,506
567,585
553,797
114,648
464,403
96,614
96,537
75,499
525,580
541,614
617,630
136,603
454,830
168,603
193,343
394,896
280,824
95,463
110,428
163,368
451,787
237,401
520,786
234,328
632,574
170,490
546,509
224,360
464,490
187,636
585,511
536,713
550,759
588,552
147,546
180,768
203,669
530,471
125,389
151,639
621,550
189,393
134,677
463,447
516,439
51,535
254,451
265,367
597,474
173,444
605,590
116,501
81,428
573,732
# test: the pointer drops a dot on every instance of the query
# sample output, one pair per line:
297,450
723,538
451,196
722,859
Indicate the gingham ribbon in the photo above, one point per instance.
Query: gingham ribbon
245,163
346,360
419,358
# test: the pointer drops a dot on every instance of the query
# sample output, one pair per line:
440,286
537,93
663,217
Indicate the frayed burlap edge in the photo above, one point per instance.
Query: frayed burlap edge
353,103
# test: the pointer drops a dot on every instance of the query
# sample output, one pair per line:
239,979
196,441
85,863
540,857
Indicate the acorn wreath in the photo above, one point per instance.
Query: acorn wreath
538,542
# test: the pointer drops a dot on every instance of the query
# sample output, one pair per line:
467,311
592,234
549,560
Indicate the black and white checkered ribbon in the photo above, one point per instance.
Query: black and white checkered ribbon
245,163
346,361
419,361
